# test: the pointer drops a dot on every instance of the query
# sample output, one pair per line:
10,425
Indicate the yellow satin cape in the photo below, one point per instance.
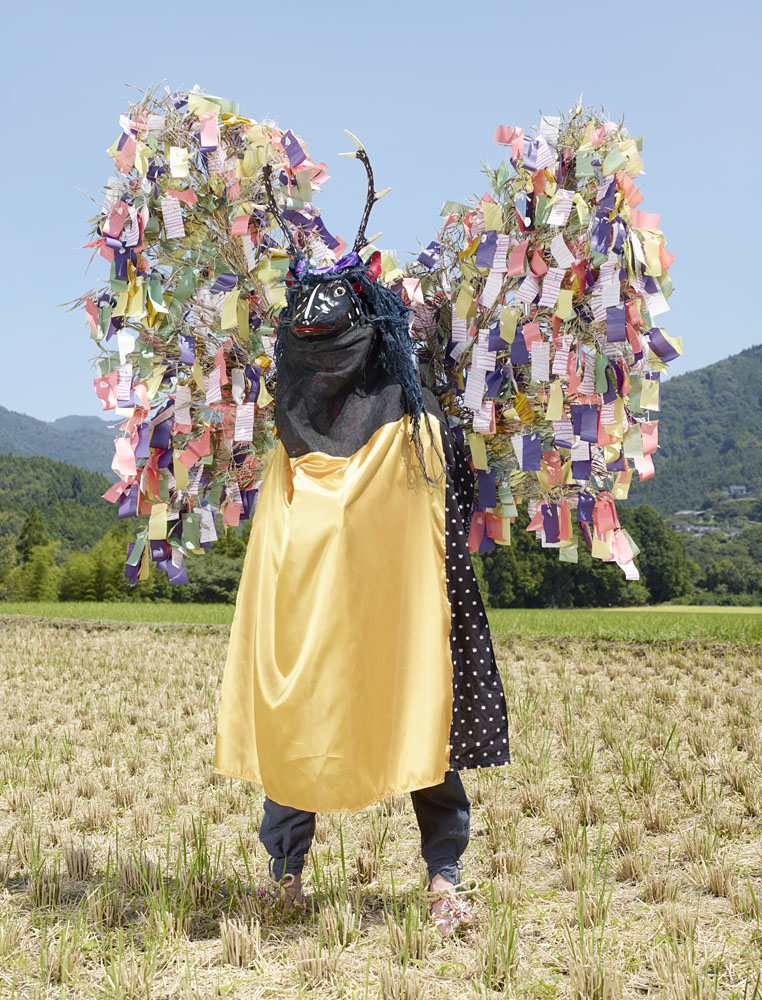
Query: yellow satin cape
337,688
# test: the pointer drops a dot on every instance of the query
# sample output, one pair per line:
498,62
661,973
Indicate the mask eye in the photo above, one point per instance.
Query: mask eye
339,291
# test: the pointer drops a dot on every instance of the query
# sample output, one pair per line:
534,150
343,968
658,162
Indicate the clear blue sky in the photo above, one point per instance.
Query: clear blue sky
424,85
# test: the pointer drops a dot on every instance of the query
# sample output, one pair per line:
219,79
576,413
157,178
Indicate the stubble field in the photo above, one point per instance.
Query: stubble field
620,854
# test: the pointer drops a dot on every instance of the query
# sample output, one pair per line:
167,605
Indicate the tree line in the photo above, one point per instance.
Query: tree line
520,575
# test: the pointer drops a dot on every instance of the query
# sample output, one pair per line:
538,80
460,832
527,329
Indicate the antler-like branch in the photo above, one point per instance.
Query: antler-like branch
372,198
267,171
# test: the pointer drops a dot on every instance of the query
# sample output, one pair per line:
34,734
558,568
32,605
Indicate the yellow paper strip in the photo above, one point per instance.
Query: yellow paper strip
478,451
464,302
230,309
555,410
493,216
157,523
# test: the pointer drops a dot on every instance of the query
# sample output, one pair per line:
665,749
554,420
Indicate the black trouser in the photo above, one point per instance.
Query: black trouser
444,819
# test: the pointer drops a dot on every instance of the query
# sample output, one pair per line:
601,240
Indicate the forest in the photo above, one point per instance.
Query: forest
59,540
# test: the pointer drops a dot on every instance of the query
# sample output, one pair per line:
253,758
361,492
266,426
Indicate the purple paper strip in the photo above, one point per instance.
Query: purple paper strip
328,238
519,352
161,434
158,549
131,572
601,234
128,502
248,502
253,373
585,504
487,544
616,329
530,153
620,234
582,469
607,194
187,344
293,148
496,342
224,282
121,256
114,324
487,489
177,574
525,208
431,255
485,252
620,376
585,420
531,453
494,381
618,465
661,346
589,424
144,434
550,522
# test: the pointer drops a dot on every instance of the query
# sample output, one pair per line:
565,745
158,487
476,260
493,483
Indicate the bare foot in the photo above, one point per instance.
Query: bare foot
439,884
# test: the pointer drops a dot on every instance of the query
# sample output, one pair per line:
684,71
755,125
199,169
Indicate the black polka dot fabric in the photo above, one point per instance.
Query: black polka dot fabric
479,734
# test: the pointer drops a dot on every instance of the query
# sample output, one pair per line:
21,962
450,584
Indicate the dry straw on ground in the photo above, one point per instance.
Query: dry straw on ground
619,855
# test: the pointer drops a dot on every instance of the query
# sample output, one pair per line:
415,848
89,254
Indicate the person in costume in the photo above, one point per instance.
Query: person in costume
360,662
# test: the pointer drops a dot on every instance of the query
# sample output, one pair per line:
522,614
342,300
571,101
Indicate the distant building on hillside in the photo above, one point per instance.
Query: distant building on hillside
735,491
689,528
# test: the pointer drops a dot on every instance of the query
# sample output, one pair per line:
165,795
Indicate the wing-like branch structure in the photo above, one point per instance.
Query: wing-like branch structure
536,323
190,225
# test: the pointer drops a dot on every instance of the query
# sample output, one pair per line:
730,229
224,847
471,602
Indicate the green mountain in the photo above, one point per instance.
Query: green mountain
83,441
69,500
710,435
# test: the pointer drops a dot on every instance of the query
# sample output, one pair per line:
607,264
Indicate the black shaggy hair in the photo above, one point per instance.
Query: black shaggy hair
379,305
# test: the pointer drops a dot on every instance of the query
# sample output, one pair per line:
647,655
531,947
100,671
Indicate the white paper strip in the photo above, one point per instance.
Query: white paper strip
551,286
484,359
237,385
244,422
173,218
475,388
561,357
561,208
527,290
491,289
561,252
182,405
207,531
212,386
540,356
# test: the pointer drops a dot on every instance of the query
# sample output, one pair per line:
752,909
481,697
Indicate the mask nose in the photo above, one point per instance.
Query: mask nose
312,311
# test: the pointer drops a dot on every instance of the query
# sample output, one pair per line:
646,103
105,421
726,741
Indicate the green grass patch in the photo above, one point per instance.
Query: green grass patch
124,611
629,624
